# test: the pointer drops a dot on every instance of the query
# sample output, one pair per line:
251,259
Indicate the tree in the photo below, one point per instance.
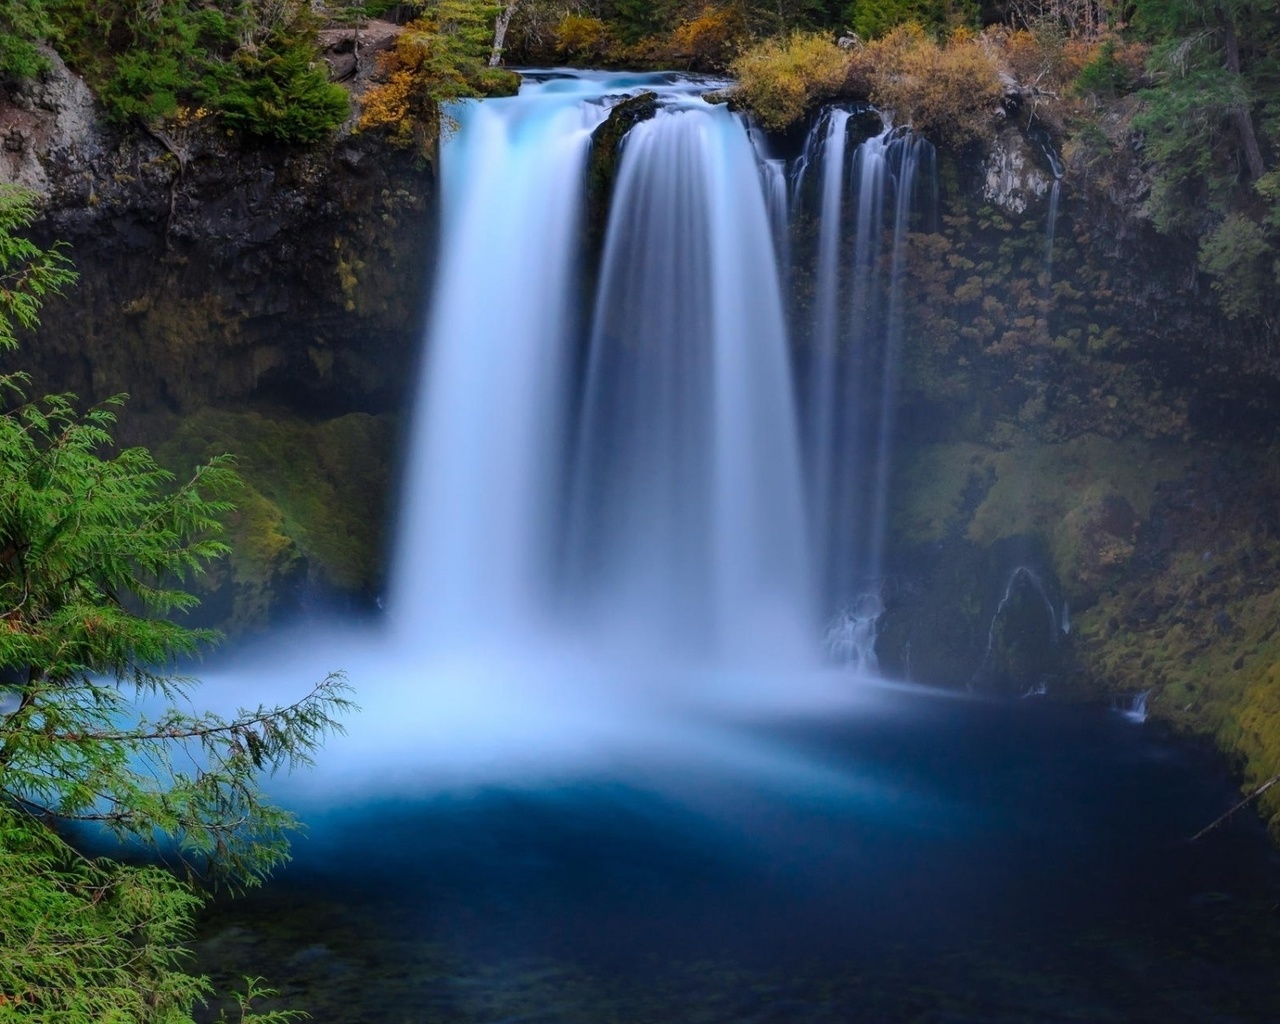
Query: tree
1202,56
501,22
95,544
23,24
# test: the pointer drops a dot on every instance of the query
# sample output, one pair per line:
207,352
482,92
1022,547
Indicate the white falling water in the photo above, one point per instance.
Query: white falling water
604,546
1051,230
472,558
688,517
865,207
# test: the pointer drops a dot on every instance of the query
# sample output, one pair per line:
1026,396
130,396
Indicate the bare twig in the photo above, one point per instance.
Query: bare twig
1243,803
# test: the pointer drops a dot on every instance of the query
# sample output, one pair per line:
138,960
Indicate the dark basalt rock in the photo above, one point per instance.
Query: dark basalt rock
278,290
212,271
602,167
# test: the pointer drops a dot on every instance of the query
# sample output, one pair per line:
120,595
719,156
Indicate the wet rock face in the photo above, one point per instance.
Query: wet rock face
1014,176
212,271
253,299
48,127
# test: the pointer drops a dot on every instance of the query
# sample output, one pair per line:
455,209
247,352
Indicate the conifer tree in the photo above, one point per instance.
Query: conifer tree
95,543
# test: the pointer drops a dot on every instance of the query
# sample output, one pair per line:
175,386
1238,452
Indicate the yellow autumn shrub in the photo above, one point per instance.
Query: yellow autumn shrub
949,92
582,38
779,80
401,103
709,41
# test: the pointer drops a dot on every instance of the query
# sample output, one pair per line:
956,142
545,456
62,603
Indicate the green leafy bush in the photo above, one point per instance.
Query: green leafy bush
255,65
278,91
23,24
1241,261
871,19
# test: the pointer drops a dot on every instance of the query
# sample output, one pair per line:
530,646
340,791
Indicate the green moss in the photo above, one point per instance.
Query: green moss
1195,621
1084,497
313,508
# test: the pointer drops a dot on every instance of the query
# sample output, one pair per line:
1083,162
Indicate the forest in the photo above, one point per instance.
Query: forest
99,543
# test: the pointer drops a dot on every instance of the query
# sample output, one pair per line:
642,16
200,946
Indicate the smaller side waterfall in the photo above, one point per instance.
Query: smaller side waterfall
777,197
1134,708
866,200
1051,230
1024,629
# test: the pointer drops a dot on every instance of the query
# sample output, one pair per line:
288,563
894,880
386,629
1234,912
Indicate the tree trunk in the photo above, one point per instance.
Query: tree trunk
1240,111
500,31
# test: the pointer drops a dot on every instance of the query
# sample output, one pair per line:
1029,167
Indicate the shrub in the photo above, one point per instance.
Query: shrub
709,41
255,65
23,23
435,60
780,80
279,91
949,93
1237,255
583,39
872,19
1111,69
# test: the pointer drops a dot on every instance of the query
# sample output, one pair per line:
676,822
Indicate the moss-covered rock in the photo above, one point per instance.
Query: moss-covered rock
1194,620
602,165
309,523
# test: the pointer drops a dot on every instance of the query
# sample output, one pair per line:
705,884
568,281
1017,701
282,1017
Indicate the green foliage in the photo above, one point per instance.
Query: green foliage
871,19
254,63
441,56
83,941
27,273
23,24
95,544
278,91
632,20
1104,74
1185,123
1241,261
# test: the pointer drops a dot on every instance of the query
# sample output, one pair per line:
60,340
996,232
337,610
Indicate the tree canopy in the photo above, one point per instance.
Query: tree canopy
95,545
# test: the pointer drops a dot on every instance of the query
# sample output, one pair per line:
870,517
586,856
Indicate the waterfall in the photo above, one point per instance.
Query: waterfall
865,207
606,520
1051,230
688,521
773,179
472,558
675,521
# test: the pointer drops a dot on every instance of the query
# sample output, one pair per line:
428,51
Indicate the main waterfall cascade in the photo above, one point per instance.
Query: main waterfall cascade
639,486
627,506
